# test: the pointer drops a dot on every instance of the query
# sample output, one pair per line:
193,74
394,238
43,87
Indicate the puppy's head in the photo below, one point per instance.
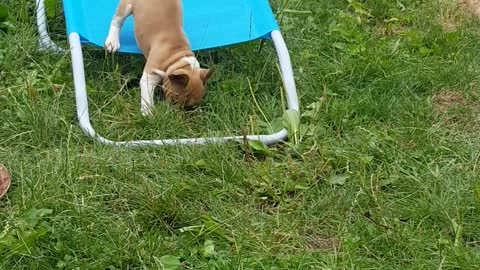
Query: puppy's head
185,86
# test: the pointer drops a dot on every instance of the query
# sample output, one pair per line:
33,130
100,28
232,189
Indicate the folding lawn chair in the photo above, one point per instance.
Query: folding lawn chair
207,23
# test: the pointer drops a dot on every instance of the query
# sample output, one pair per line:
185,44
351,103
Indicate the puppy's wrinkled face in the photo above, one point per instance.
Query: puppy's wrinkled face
186,86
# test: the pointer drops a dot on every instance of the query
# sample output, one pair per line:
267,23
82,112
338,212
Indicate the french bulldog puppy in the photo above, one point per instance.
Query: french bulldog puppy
158,27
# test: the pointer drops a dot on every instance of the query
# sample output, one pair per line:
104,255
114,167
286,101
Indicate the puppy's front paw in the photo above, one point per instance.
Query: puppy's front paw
112,44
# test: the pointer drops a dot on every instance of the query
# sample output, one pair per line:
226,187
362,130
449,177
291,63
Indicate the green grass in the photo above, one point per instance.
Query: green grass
383,177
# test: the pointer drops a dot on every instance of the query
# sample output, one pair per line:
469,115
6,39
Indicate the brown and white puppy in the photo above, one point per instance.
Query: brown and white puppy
158,27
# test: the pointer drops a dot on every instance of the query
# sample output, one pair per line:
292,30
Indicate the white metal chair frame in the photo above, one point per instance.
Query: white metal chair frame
46,43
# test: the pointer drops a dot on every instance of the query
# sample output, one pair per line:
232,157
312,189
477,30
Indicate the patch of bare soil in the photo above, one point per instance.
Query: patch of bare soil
317,242
447,99
473,6
450,21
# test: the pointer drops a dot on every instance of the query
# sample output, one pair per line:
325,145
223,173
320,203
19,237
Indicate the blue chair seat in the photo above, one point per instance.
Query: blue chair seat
207,23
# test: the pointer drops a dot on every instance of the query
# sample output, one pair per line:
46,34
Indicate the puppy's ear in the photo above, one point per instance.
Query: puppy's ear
162,73
179,77
206,74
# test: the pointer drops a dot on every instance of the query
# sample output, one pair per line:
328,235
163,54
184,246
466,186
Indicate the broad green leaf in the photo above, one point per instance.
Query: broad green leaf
14,245
8,241
44,212
28,238
208,249
360,8
312,110
34,215
424,51
366,159
291,122
271,127
39,232
259,147
339,45
338,179
276,125
201,164
452,38
170,262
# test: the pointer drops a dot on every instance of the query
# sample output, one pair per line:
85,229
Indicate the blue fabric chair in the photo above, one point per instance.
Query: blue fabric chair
207,23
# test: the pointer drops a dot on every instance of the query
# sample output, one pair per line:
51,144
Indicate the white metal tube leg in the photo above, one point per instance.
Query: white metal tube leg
84,117
45,42
287,71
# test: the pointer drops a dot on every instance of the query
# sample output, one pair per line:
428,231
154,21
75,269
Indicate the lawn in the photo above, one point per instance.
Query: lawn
384,173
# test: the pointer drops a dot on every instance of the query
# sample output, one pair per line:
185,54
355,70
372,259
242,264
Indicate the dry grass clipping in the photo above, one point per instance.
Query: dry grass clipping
473,6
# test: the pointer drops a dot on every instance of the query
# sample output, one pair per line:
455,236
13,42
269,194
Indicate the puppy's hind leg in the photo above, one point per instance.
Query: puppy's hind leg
124,10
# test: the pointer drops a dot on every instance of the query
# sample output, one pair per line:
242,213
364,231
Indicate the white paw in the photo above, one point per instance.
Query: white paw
112,44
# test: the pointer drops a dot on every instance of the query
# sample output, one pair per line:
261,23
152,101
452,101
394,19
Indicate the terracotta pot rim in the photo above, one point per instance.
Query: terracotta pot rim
3,180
